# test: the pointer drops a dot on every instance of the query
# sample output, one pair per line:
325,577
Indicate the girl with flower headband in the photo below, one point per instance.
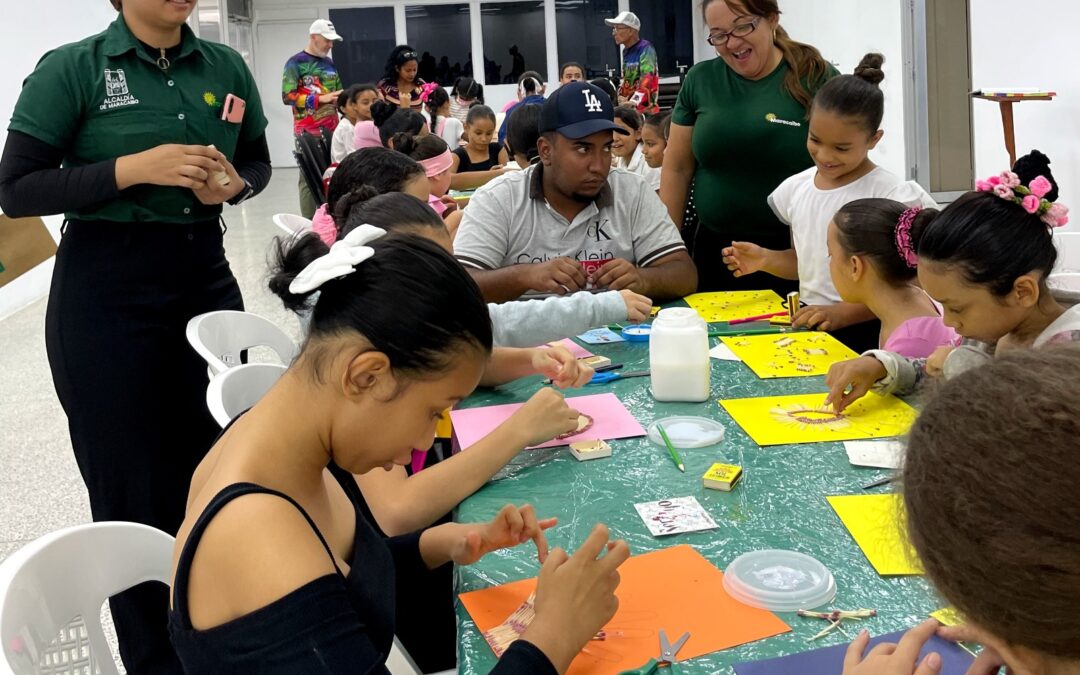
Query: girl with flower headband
277,568
845,125
400,84
985,260
443,124
872,263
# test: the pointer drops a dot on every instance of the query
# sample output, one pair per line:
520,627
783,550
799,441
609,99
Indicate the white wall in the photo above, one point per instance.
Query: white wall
1006,50
30,30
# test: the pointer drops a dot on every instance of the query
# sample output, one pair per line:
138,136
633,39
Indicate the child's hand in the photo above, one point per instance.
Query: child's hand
451,204
638,307
989,661
848,381
894,659
561,367
744,258
575,596
511,527
823,317
543,417
935,363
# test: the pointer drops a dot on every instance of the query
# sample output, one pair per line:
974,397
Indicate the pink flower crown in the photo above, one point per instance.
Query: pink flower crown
903,236
1030,197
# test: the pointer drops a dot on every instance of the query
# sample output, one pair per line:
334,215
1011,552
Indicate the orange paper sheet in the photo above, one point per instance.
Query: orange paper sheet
674,589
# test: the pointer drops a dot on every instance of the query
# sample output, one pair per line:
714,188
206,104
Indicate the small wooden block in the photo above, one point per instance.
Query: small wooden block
585,450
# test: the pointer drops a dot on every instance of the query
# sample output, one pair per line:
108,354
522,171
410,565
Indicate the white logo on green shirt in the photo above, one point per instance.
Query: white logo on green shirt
116,90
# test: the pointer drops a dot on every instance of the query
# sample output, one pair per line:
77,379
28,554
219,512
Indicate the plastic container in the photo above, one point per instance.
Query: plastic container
779,581
679,356
686,431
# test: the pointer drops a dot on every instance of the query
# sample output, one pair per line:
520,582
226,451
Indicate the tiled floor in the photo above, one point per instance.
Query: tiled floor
40,486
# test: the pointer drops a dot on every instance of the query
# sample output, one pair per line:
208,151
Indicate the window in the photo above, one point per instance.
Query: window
669,26
368,39
441,35
585,38
513,40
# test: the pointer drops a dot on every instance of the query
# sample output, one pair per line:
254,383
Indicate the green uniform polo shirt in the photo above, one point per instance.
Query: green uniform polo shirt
748,137
104,97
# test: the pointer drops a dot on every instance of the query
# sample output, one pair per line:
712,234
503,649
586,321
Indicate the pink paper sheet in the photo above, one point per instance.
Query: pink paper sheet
611,420
577,350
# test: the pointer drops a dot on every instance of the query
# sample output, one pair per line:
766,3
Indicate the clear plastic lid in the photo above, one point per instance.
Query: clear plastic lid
779,581
687,431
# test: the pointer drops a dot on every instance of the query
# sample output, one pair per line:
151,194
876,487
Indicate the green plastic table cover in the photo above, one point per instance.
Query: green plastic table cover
779,504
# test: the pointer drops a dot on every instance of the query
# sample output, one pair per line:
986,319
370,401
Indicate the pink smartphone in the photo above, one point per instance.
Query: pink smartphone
233,110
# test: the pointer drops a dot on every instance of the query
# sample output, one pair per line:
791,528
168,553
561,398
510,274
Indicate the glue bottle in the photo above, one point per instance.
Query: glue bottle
679,356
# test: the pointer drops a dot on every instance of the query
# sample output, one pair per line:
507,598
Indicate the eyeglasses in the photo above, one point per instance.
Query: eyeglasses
740,31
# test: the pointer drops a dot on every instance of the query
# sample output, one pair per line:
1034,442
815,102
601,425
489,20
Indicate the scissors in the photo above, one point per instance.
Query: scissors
610,375
666,660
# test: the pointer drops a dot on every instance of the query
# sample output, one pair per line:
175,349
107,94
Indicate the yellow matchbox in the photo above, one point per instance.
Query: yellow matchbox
722,477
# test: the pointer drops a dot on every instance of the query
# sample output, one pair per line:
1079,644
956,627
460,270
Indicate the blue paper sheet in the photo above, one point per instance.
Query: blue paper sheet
600,336
830,660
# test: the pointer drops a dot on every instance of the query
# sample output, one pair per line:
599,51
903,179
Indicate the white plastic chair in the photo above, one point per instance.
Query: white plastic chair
70,573
219,337
291,223
237,389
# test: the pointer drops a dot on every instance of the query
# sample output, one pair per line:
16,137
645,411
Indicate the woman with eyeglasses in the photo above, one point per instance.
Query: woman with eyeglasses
400,84
737,131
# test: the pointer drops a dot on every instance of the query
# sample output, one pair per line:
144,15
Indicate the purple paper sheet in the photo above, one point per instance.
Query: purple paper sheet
830,660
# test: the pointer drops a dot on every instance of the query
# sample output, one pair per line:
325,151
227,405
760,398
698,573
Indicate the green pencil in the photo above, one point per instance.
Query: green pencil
671,448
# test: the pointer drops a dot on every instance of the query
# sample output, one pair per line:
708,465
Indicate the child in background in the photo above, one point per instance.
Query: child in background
391,120
442,123
522,133
571,71
482,158
364,174
872,263
989,488
608,88
432,154
654,139
466,93
626,151
985,260
516,324
354,106
845,121
530,90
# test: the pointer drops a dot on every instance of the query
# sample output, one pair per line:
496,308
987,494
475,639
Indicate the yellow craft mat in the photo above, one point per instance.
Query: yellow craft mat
728,305
875,523
803,418
948,616
789,354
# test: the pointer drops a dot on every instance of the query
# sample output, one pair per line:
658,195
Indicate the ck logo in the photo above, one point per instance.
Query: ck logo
115,83
596,230
592,104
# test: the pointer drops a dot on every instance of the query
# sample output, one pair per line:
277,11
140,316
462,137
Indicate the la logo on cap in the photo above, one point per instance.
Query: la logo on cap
592,104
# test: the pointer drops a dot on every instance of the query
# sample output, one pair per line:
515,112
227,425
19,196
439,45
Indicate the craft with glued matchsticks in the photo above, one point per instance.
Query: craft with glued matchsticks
803,418
729,305
789,354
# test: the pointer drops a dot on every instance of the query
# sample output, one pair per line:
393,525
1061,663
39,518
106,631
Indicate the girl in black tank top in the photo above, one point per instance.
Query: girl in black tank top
274,514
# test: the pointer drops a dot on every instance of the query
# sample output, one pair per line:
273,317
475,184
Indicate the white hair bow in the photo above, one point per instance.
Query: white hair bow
340,261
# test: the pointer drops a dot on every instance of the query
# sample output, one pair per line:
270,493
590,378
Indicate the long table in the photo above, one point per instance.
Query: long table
780,503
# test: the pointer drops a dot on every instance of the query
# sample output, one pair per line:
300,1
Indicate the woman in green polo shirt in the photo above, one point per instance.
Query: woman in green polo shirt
738,130
135,135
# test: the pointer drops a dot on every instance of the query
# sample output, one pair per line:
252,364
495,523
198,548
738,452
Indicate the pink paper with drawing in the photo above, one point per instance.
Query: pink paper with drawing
610,417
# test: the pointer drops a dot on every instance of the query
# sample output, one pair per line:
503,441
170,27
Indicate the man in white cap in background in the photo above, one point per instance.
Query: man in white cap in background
640,73
311,85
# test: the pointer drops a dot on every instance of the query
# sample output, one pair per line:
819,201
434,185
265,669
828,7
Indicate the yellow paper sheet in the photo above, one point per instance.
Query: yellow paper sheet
948,616
802,418
789,354
875,523
728,305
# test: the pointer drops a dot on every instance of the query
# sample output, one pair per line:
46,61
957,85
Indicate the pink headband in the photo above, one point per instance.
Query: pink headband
1029,197
437,164
903,236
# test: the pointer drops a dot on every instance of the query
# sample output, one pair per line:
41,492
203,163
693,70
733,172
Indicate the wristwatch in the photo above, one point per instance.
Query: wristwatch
245,194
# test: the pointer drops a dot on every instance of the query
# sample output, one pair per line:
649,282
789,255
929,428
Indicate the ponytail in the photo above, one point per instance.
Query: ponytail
806,68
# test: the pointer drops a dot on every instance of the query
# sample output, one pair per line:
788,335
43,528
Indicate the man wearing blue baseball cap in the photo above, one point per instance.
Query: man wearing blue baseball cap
571,222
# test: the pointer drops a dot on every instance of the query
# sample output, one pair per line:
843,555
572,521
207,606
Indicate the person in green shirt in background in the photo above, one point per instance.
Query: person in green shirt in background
738,130
138,134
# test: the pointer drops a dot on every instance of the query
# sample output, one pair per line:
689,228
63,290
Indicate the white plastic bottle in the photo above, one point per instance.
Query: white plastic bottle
679,356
